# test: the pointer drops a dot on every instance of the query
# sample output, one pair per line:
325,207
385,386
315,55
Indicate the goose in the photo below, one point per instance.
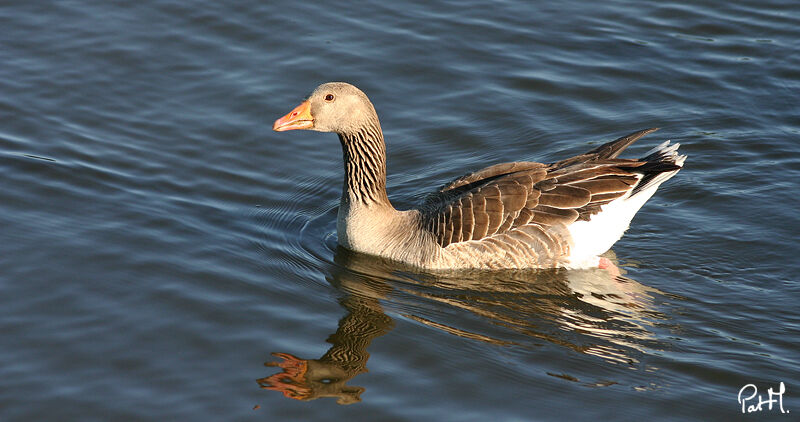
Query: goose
517,215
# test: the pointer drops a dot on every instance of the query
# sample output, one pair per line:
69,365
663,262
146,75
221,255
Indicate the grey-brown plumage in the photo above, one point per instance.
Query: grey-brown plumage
509,215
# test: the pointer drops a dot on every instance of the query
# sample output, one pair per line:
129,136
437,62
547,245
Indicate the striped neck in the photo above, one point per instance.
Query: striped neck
364,154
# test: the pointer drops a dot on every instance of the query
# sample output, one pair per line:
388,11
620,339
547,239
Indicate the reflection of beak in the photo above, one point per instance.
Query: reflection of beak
299,118
292,381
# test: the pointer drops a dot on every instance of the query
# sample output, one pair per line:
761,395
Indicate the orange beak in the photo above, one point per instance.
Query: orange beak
299,118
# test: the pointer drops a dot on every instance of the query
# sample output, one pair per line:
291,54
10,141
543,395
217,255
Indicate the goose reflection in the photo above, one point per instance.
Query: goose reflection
309,379
590,311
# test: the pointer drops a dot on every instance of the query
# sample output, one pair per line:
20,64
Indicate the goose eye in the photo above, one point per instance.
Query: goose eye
329,98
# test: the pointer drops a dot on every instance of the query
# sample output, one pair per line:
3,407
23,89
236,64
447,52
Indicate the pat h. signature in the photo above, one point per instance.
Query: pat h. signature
748,401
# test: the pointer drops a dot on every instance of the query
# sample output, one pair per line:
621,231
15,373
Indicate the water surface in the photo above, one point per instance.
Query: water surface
159,244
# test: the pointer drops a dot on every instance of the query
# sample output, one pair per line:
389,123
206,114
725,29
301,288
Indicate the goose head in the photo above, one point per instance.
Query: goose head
332,107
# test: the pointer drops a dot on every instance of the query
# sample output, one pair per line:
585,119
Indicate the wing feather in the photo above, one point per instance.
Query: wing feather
530,203
565,197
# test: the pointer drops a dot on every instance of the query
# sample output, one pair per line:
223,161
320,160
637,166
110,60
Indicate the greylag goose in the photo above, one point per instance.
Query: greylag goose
506,216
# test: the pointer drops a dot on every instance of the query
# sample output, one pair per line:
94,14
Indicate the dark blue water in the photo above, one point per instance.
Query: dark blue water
159,243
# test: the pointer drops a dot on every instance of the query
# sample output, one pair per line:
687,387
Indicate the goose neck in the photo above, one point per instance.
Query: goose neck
364,153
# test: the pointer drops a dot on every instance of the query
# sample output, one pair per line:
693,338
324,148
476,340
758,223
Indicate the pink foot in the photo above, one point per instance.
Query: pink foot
606,264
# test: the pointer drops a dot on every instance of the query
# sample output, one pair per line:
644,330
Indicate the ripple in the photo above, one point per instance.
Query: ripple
154,230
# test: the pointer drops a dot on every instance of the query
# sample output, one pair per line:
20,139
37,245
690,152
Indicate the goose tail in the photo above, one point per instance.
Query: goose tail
596,236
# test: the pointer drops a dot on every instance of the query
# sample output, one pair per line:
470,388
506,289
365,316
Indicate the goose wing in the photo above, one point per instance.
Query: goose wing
528,199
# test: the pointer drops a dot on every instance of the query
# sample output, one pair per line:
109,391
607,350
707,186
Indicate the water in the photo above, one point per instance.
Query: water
158,242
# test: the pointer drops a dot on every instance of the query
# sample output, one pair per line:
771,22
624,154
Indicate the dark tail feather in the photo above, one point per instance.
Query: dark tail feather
659,166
